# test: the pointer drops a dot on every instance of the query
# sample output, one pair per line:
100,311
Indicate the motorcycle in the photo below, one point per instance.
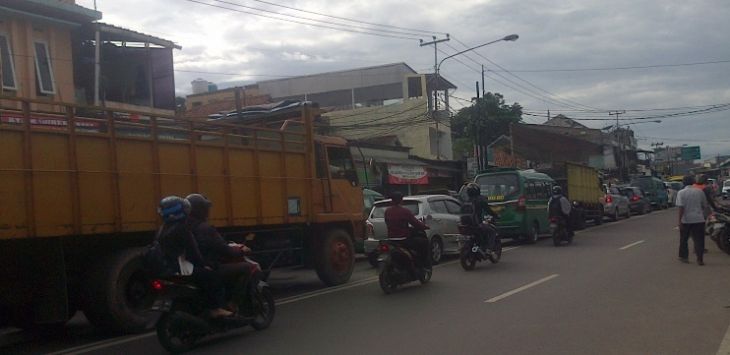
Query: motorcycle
717,227
397,266
185,321
559,231
471,249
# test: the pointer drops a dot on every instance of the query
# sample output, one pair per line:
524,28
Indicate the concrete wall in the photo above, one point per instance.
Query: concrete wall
409,121
22,33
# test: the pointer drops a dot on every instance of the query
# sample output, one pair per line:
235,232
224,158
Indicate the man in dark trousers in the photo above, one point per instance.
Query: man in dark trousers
693,208
398,219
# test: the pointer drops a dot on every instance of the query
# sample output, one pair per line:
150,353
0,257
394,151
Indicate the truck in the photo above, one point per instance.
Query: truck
81,185
582,185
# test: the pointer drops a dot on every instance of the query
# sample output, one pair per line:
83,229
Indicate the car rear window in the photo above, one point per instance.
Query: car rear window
379,210
614,190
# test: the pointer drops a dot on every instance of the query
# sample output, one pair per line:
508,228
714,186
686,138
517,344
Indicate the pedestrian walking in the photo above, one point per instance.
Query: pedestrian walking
693,210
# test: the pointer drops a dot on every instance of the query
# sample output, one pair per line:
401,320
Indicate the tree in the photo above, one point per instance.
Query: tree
484,121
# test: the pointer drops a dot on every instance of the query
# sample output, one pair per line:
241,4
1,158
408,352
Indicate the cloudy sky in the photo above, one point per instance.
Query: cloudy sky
577,57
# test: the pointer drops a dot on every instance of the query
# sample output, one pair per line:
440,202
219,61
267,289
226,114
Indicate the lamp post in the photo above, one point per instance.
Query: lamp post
511,38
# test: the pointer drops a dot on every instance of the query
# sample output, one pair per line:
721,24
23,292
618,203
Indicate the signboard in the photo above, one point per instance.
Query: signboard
55,123
407,175
472,169
691,153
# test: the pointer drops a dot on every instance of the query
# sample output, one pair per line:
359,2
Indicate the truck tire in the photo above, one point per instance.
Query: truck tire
117,294
335,258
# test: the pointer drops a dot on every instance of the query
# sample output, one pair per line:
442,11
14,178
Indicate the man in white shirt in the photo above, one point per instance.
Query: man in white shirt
693,208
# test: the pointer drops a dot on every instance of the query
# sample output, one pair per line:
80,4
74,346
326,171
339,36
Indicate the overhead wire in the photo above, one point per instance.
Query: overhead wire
315,24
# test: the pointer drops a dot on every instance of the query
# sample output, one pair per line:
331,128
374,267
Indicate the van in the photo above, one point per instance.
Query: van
520,197
654,191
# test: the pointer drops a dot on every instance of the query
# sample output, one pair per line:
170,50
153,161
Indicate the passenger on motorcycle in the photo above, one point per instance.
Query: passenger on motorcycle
226,260
182,253
479,210
398,219
559,206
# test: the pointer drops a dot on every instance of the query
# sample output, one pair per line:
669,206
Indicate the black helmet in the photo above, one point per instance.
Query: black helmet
396,197
473,190
200,206
557,190
173,209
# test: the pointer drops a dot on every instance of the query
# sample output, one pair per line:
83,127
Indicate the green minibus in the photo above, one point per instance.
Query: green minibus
520,197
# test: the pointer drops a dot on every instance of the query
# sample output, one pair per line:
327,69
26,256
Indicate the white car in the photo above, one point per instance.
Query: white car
726,189
440,212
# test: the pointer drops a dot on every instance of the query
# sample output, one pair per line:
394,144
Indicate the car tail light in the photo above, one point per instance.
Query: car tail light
634,198
157,285
521,203
384,248
609,199
554,219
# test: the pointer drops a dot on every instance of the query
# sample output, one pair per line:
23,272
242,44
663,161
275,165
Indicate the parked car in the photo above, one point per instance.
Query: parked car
615,204
369,199
440,212
726,189
654,190
638,203
672,188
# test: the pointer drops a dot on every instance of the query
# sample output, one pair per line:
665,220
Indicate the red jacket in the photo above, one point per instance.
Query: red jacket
397,219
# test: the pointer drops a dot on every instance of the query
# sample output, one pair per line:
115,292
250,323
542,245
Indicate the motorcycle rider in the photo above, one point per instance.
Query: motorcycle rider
480,209
398,219
559,206
181,250
224,259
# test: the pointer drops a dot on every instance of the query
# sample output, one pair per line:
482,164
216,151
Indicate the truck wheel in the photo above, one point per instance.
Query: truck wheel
117,294
335,258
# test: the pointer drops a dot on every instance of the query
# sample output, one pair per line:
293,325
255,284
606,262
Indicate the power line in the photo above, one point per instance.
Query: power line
619,68
303,23
349,19
525,80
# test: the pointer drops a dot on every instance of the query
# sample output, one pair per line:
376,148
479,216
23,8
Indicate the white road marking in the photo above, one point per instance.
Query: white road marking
631,245
725,345
102,344
121,340
520,289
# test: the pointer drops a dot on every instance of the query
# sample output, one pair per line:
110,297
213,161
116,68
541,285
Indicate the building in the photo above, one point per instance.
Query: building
57,51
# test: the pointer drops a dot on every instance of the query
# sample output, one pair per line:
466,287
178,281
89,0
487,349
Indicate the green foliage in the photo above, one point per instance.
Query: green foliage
483,122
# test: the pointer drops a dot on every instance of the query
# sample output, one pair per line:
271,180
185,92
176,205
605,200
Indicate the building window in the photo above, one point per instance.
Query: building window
44,72
6,63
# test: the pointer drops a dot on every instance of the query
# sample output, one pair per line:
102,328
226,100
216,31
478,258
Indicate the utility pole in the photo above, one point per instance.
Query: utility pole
484,89
434,107
620,143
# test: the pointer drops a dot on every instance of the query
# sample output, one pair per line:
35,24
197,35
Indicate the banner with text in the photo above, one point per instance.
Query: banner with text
407,175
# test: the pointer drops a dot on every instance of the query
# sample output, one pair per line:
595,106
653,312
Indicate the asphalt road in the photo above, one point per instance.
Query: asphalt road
619,289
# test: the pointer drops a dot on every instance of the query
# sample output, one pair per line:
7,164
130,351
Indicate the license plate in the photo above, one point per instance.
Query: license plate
162,305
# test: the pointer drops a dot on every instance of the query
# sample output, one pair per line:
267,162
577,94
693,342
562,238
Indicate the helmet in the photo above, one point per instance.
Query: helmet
473,190
396,197
173,209
557,190
200,206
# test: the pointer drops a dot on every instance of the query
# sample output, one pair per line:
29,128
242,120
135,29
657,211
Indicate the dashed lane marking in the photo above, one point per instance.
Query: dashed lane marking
520,289
631,245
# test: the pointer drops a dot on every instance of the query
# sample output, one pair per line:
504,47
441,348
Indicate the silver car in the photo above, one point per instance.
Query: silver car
440,212
615,204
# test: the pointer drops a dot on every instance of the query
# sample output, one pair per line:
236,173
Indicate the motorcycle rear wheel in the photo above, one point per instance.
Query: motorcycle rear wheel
264,309
497,252
386,282
468,260
556,239
173,336
425,276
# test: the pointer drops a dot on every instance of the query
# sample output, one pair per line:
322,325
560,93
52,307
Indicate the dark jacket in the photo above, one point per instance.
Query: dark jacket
480,209
212,246
176,239
398,219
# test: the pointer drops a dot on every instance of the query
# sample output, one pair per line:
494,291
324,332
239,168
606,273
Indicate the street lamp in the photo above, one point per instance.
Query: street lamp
512,38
